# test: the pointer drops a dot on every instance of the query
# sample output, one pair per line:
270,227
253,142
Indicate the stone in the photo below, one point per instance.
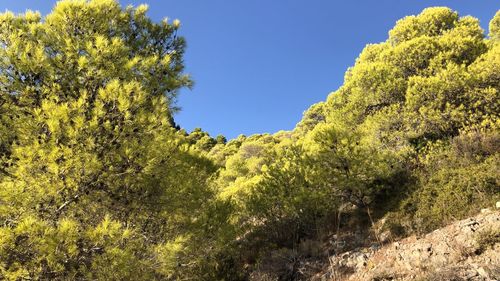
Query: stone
446,250
471,273
374,246
471,222
483,272
385,236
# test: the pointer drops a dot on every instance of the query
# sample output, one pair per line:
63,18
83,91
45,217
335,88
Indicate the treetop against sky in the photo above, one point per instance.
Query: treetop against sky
257,65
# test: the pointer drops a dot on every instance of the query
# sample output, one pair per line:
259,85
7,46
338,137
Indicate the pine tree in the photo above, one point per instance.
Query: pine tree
95,184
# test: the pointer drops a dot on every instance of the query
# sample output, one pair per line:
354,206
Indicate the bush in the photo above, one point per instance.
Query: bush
487,239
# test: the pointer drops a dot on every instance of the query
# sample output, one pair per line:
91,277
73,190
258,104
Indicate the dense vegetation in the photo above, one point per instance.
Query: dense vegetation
97,182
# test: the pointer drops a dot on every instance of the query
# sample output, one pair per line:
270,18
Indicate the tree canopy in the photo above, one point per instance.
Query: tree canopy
97,182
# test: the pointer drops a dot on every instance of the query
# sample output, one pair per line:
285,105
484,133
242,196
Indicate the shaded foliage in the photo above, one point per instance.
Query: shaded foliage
98,182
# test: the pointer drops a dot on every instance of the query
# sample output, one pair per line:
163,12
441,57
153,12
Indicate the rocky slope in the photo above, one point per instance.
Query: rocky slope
466,250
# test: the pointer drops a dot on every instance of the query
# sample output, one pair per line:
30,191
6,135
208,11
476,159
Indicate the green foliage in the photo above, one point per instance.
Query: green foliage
312,117
495,27
244,167
463,172
487,238
413,127
97,182
286,199
202,140
431,22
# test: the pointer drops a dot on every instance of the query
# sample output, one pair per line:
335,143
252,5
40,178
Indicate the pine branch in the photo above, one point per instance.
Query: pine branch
67,203
3,171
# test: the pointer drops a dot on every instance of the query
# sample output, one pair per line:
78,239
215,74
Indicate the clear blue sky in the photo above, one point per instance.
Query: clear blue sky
258,64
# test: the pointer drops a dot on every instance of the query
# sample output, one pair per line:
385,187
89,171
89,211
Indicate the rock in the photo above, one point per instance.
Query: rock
470,223
471,273
428,247
483,273
486,210
361,261
374,246
444,252
385,236
498,204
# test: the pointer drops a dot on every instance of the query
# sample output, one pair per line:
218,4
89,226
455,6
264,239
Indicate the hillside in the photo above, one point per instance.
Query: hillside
465,250
98,182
